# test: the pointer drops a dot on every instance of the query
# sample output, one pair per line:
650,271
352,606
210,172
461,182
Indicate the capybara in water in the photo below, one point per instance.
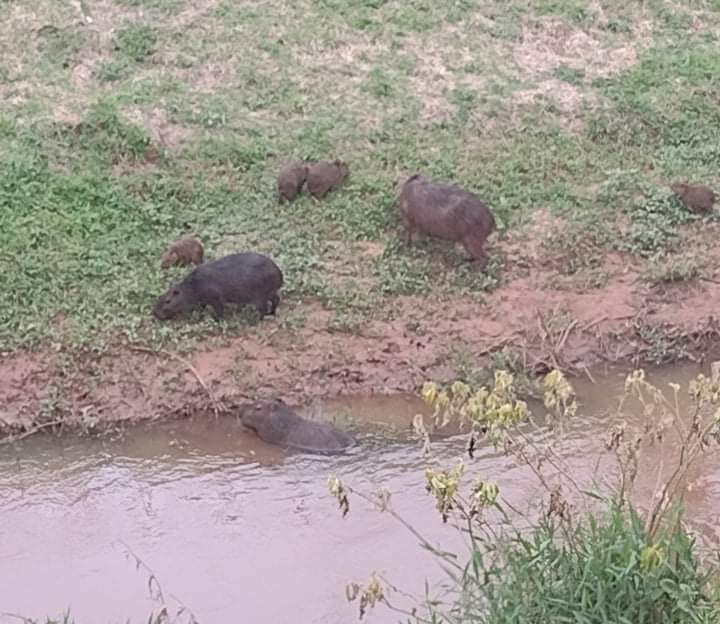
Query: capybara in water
323,177
290,180
239,278
184,252
446,212
275,423
697,198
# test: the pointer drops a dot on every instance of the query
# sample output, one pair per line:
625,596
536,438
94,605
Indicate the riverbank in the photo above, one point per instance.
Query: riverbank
523,325
129,124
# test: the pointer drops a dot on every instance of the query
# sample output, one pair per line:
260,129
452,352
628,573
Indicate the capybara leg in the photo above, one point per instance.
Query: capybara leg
475,250
262,308
218,309
274,302
408,235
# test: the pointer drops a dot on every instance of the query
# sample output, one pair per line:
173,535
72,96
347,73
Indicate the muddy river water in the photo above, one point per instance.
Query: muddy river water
241,531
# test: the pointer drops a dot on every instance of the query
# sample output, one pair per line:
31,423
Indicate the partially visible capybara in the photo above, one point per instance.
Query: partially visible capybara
275,423
697,198
239,278
323,177
183,252
290,180
446,212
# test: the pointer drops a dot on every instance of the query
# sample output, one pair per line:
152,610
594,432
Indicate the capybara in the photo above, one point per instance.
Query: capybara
239,278
183,252
275,423
323,177
697,198
446,212
290,180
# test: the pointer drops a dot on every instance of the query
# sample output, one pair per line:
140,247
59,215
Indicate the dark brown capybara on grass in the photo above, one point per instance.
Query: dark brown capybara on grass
323,177
447,212
290,180
275,423
238,278
183,252
697,198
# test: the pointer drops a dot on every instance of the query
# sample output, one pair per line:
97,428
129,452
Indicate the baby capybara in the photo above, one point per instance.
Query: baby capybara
323,177
183,252
697,198
239,278
275,423
446,212
290,180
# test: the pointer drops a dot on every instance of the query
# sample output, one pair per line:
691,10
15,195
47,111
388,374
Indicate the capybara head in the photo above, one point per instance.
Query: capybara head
168,259
183,252
253,414
342,168
680,188
170,304
419,177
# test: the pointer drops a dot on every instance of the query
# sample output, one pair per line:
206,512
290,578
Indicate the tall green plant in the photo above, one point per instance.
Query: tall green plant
616,565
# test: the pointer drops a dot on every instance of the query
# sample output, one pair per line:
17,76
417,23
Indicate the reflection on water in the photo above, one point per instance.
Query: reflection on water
239,529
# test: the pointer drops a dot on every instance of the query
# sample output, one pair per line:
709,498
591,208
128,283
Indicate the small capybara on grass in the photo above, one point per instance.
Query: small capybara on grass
323,177
239,278
275,423
697,198
446,212
290,180
183,252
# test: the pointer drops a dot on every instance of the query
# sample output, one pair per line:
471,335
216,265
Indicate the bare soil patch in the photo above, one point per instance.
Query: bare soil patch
549,43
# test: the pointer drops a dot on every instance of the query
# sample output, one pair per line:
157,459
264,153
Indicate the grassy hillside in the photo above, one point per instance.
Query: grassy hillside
130,122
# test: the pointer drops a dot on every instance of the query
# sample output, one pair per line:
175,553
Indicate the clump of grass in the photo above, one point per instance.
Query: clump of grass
135,41
606,569
60,47
105,134
673,269
654,219
576,247
574,10
133,44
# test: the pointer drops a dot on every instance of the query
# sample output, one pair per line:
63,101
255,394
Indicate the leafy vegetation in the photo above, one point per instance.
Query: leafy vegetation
601,569
577,555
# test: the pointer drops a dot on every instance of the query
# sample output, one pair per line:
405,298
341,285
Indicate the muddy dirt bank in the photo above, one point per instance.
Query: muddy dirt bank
525,321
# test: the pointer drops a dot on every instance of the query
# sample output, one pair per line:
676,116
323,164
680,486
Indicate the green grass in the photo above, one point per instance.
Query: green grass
603,569
390,87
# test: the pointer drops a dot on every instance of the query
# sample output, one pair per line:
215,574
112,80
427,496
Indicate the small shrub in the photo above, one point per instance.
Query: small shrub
606,569
670,269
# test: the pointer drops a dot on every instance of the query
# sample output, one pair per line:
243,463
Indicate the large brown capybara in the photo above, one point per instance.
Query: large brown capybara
238,278
290,180
697,198
183,252
275,423
323,177
446,212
